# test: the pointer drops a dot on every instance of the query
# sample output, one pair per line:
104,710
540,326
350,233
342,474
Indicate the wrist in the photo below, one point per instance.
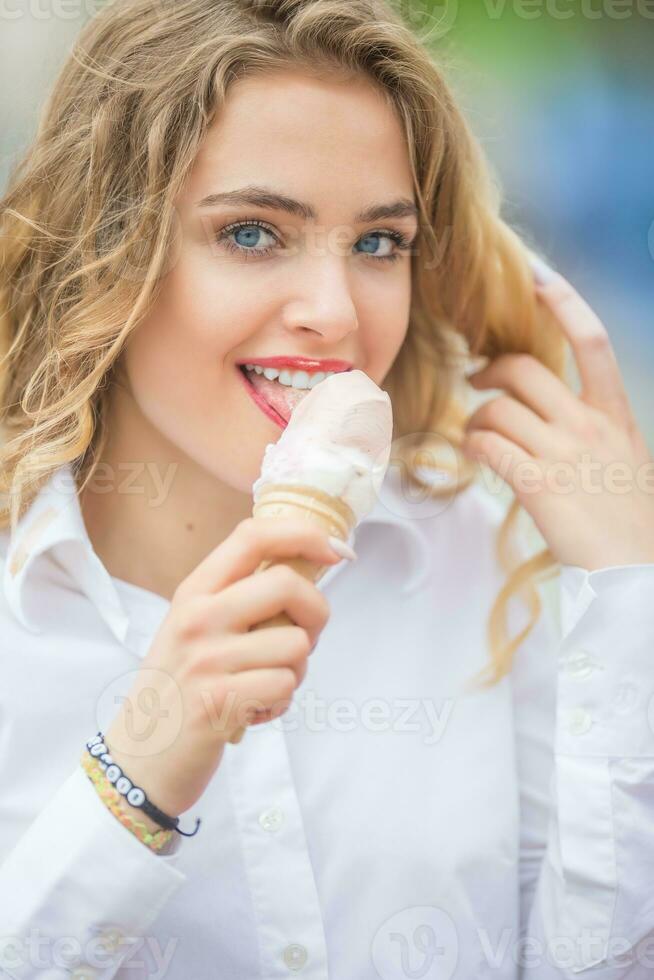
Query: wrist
137,822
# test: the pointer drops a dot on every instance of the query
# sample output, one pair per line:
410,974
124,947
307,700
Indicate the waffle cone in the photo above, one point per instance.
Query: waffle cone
307,503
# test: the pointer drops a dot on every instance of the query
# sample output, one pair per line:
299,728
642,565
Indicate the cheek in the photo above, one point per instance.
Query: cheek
200,309
175,357
199,317
382,344
385,309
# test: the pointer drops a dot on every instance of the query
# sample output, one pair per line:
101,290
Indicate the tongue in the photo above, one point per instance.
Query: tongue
281,397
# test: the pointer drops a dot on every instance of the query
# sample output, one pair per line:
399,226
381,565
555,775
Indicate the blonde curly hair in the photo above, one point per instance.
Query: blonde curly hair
88,218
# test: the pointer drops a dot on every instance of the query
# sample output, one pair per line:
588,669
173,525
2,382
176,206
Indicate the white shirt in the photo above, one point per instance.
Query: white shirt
390,824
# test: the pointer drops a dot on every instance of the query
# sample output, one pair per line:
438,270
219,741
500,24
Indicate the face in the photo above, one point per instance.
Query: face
314,286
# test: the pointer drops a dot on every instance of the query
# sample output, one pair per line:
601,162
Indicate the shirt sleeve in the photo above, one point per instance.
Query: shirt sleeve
584,715
79,889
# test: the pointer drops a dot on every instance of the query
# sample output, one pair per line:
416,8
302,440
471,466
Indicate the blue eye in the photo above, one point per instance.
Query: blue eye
248,235
375,237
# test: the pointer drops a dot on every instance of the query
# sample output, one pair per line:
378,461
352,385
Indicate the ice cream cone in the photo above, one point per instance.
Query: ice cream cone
327,465
307,503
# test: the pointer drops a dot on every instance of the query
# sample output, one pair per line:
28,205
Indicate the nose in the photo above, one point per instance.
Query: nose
323,302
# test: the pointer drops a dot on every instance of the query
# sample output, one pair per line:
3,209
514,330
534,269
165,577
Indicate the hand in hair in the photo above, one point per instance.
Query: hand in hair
578,463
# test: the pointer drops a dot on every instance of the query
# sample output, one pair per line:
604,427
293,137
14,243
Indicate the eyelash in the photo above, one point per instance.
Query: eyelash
402,243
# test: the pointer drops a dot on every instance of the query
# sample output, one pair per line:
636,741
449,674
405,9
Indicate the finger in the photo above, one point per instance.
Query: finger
258,598
498,452
267,690
601,381
532,383
518,423
276,646
255,540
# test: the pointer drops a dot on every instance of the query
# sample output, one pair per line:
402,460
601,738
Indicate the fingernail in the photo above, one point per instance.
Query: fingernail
342,550
543,273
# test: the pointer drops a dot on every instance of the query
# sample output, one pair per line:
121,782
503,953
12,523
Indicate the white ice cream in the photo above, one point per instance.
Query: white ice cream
338,440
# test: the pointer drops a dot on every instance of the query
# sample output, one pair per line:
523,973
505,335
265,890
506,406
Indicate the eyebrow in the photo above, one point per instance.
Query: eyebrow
265,198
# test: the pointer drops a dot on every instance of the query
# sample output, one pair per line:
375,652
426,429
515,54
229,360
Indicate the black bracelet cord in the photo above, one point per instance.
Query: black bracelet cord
134,795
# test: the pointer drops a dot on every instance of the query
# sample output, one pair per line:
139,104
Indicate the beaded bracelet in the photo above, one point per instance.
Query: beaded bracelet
111,797
124,787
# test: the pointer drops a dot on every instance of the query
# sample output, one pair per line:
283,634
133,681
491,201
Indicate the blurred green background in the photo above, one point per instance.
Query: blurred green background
558,91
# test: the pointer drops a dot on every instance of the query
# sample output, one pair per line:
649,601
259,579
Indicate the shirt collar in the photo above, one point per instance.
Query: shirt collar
53,523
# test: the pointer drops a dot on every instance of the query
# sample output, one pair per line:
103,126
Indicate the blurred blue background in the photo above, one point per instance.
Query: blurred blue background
560,94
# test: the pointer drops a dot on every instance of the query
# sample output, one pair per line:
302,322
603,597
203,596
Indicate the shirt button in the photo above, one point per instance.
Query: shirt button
83,973
272,819
579,721
578,664
295,956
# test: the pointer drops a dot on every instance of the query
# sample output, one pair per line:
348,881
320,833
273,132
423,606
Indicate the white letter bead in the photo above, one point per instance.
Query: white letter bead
113,773
136,796
123,785
98,749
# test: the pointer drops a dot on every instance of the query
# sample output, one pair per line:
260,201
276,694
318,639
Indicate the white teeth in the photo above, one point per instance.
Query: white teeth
302,380
296,379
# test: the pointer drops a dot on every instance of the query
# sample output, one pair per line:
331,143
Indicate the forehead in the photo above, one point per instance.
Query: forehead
324,138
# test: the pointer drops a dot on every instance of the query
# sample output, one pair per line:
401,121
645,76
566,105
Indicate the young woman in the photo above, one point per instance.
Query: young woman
215,185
